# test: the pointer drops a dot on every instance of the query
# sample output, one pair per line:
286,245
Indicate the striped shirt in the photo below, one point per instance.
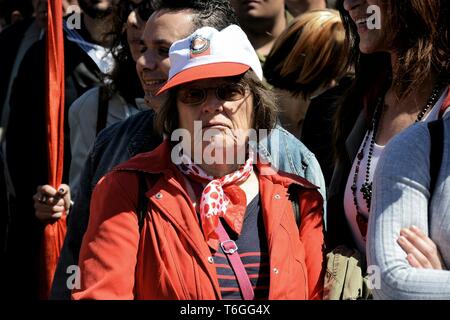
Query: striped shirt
253,250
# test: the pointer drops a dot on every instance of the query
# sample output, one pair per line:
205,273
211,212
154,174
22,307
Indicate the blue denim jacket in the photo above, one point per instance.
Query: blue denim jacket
135,135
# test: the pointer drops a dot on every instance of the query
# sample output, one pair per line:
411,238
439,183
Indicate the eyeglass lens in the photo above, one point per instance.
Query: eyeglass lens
226,92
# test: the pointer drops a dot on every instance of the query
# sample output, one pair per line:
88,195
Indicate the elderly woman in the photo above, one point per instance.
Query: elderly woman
213,229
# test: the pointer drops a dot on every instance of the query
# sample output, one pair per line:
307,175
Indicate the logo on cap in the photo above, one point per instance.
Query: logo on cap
199,46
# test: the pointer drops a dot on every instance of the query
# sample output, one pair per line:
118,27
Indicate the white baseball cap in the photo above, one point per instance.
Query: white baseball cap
209,53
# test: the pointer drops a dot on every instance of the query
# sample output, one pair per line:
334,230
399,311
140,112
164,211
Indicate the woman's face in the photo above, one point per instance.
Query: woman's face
370,23
217,113
135,29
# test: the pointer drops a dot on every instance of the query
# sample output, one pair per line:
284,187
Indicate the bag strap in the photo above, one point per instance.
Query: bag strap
143,202
230,249
436,130
103,105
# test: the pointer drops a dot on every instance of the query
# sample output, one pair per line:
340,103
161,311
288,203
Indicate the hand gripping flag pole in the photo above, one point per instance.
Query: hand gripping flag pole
54,232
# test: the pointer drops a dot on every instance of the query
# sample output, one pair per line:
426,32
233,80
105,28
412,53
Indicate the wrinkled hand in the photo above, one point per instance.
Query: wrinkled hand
50,203
421,251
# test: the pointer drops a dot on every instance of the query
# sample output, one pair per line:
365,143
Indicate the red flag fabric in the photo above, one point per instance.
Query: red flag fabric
54,232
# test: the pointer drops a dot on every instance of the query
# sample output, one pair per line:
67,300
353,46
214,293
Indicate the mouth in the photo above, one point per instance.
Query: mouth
250,2
361,23
153,86
216,125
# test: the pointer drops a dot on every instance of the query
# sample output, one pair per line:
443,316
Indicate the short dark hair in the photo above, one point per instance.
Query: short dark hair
218,14
167,118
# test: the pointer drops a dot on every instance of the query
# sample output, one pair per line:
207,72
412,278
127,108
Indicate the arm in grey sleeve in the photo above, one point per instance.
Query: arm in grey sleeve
82,123
400,200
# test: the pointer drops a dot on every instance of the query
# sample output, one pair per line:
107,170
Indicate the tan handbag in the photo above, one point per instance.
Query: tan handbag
345,277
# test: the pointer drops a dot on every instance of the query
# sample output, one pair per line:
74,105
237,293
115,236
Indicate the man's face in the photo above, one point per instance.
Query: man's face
96,8
251,9
162,29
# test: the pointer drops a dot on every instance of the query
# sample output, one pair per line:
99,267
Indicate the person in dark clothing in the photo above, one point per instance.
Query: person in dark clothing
26,152
10,40
317,132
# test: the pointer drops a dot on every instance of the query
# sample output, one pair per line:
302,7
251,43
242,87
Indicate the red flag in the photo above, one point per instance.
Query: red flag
54,233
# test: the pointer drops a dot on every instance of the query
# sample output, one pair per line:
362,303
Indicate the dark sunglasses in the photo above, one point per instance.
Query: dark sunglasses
225,92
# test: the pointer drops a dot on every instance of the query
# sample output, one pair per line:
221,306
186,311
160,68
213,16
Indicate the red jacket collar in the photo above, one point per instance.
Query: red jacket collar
158,161
155,161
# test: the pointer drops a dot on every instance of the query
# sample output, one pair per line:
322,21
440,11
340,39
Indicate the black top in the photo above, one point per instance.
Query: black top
317,132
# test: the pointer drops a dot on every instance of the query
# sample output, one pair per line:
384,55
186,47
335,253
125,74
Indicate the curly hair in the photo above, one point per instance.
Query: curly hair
213,13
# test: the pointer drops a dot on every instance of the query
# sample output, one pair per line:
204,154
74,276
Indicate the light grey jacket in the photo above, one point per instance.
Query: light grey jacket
401,199
83,123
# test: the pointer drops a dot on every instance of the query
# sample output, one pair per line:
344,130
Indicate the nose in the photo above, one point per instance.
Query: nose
146,63
351,4
212,104
132,21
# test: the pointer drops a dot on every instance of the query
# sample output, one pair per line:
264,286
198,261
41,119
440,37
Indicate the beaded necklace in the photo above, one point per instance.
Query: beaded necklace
366,187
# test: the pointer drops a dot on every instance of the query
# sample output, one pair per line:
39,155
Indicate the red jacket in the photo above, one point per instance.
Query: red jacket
169,258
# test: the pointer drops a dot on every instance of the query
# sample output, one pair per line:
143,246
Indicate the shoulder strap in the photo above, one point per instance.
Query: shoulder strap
436,130
230,250
143,202
103,104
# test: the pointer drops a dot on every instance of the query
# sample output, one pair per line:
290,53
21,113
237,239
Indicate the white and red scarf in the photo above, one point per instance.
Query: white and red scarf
221,198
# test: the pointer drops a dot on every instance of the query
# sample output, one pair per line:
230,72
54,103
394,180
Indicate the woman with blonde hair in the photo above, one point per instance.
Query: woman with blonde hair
308,68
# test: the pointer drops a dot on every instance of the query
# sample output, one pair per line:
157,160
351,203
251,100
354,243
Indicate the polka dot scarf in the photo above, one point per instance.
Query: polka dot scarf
221,198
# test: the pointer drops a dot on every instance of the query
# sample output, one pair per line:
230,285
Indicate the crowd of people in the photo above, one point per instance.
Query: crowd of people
227,149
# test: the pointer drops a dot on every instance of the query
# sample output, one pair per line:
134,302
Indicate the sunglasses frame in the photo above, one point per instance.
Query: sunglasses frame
218,91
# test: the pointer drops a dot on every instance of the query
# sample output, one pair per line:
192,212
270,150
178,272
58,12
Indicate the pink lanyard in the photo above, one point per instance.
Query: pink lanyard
230,249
